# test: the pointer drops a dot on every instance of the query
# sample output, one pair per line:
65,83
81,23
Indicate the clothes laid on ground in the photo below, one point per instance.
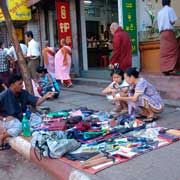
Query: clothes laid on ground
92,140
53,144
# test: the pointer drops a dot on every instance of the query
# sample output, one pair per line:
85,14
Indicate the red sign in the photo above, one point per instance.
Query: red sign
64,22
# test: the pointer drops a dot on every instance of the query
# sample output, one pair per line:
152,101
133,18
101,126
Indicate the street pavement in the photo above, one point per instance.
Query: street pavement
162,164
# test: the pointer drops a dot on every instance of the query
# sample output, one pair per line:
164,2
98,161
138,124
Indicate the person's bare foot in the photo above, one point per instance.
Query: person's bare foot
117,109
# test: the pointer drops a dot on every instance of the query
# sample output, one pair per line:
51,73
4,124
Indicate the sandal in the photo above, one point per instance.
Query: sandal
140,116
150,119
4,147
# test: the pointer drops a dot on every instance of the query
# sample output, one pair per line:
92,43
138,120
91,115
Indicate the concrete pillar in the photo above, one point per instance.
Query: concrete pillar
75,53
120,13
83,33
42,28
51,28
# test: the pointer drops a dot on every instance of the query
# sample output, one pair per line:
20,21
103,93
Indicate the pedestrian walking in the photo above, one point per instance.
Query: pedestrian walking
48,54
13,57
33,54
4,64
169,50
63,64
122,47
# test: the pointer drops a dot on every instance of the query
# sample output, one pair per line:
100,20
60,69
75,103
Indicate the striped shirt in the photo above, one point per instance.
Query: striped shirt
4,66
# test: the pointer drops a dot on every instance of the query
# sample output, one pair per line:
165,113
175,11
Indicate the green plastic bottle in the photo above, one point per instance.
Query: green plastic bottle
25,126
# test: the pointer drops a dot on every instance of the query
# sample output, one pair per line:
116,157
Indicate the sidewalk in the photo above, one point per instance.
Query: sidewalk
93,87
151,165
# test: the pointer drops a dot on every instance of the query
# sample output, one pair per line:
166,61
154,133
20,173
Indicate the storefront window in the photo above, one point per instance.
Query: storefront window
99,15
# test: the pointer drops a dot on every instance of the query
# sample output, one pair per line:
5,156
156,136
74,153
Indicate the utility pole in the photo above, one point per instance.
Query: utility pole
15,42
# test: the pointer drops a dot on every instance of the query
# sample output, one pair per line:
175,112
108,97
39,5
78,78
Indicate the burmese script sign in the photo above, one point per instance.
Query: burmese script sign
64,21
18,10
129,21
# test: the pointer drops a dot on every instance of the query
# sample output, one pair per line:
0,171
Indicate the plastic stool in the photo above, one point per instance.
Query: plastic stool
104,61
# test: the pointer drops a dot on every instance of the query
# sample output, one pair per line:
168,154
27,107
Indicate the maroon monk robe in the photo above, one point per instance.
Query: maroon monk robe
122,49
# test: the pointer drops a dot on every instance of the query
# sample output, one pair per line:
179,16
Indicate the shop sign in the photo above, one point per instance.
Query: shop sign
129,21
18,10
64,22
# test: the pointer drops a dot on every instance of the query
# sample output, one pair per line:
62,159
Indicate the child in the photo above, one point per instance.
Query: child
119,87
46,82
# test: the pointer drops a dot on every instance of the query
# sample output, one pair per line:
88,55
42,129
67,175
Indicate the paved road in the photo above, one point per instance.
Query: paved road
162,164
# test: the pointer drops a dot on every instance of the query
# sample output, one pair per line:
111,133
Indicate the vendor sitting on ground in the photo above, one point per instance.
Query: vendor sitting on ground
119,87
46,82
144,96
13,102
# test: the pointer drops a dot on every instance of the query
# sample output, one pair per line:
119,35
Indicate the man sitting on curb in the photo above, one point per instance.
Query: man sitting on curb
13,102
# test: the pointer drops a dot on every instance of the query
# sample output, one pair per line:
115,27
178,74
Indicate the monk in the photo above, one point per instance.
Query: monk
48,54
122,47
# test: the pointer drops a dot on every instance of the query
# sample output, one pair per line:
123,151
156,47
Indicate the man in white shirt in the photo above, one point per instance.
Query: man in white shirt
13,57
33,54
169,51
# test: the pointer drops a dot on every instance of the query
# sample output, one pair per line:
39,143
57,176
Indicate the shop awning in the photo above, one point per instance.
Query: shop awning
32,2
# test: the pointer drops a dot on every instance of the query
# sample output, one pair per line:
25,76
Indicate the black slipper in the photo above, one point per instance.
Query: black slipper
4,147
140,116
150,119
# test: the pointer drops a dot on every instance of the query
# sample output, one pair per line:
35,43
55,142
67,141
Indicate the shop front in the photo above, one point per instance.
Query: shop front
97,18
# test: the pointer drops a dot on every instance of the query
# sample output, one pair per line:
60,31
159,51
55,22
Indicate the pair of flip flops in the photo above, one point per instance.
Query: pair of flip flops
5,146
150,119
147,119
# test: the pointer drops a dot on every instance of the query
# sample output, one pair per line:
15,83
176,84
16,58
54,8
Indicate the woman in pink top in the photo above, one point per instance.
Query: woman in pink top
63,64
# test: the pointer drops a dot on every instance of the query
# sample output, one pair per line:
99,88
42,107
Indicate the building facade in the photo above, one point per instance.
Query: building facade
89,25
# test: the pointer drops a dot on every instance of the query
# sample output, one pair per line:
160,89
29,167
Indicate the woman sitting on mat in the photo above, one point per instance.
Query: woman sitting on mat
119,87
144,96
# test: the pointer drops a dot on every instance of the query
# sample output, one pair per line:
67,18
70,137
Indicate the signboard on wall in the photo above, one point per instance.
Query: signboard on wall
64,22
18,10
129,21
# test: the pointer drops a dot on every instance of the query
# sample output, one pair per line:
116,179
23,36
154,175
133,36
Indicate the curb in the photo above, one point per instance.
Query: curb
56,168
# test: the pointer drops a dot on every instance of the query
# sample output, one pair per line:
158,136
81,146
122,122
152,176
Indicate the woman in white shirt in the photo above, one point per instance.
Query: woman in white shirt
169,51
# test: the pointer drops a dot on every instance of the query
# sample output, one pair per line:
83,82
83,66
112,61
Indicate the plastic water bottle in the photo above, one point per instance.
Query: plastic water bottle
25,126
28,112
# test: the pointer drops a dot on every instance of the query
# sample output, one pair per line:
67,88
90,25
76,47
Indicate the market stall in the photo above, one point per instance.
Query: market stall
92,140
